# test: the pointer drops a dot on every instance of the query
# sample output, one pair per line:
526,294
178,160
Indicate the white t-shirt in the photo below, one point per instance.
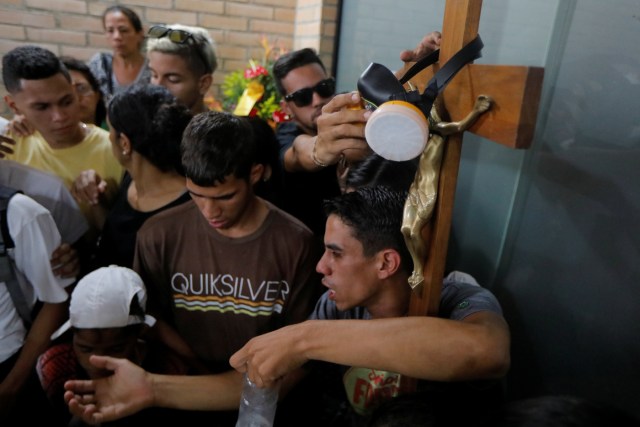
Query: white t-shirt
35,236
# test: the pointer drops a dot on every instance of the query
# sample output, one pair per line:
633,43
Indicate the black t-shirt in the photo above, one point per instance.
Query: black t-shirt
117,242
304,192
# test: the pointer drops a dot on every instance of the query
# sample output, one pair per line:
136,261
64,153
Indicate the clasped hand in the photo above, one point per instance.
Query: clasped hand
88,187
341,130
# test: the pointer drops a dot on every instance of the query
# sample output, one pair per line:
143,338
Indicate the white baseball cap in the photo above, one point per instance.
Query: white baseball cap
102,299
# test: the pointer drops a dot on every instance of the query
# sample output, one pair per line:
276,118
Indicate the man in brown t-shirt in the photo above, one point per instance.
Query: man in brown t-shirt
229,265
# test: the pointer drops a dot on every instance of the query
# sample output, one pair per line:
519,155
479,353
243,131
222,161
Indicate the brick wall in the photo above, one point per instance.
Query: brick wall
316,27
74,27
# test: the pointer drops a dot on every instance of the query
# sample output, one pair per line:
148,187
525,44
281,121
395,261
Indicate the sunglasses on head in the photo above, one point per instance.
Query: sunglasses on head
179,37
303,97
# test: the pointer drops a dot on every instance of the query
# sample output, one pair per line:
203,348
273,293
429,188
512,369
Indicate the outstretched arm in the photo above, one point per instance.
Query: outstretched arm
421,347
340,132
131,389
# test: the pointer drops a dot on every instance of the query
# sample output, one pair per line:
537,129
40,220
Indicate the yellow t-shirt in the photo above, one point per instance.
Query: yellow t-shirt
93,152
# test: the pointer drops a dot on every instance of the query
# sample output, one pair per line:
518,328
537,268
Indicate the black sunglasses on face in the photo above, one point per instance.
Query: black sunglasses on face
304,96
179,37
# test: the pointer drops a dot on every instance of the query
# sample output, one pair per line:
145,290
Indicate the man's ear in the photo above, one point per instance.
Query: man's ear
284,106
256,173
266,175
390,263
205,83
11,103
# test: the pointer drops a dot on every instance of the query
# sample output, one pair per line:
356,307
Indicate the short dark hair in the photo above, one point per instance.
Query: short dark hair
292,60
74,64
374,215
376,170
133,17
215,145
30,63
268,155
153,120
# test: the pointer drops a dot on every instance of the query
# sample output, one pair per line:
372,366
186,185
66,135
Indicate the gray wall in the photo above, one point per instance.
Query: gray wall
554,230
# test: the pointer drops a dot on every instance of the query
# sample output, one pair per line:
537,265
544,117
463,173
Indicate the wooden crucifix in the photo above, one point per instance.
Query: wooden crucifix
515,91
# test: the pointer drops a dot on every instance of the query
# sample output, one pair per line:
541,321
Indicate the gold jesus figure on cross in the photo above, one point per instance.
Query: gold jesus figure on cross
424,189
